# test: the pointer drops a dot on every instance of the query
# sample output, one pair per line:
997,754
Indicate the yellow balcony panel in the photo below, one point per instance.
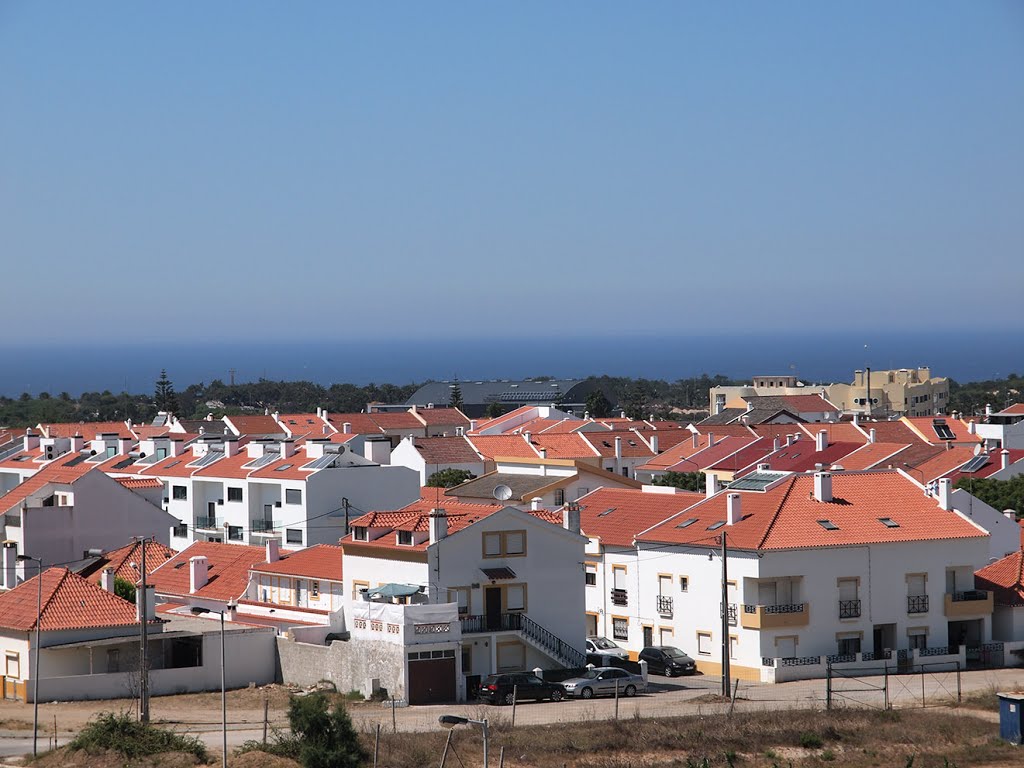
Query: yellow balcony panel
775,616
974,602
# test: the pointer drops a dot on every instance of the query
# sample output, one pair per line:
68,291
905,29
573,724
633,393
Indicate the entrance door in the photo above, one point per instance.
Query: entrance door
492,608
884,637
431,681
211,510
591,625
648,636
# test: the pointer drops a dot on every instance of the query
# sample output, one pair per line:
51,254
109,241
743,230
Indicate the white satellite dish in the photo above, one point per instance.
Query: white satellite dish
977,450
502,492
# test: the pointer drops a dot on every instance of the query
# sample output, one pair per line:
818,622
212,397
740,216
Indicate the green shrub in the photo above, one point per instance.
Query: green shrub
132,739
321,736
810,740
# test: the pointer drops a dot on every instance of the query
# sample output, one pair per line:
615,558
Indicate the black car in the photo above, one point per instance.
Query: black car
667,660
499,689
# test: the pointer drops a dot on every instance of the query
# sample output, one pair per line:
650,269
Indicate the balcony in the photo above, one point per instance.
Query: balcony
775,616
849,609
917,604
973,602
265,527
665,605
209,523
620,597
733,613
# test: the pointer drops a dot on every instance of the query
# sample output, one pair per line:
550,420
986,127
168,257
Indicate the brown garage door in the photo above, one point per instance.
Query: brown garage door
431,681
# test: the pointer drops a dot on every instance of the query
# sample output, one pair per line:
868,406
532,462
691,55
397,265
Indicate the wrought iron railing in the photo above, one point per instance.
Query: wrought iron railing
520,622
849,609
620,597
917,604
732,613
781,608
665,603
970,594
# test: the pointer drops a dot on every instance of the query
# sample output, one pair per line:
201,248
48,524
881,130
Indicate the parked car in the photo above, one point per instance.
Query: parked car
667,660
603,681
605,647
500,689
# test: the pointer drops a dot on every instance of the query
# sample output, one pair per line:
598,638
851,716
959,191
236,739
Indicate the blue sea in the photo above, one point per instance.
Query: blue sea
813,357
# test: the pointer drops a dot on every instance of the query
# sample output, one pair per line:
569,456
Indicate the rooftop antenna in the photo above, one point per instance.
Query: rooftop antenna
502,492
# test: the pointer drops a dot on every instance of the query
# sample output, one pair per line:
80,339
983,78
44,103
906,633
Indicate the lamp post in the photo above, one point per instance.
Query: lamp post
450,721
35,672
223,684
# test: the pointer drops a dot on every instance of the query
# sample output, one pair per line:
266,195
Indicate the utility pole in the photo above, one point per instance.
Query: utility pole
345,504
726,687
142,600
231,376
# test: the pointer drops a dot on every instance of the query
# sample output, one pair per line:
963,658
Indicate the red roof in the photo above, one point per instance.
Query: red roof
68,602
446,450
871,454
322,561
304,425
795,403
995,464
787,516
228,567
1005,578
1014,409
512,446
359,423
925,425
745,457
733,430
616,515
59,472
572,445
87,429
127,561
604,443
801,456
254,425
139,482
944,462
506,418
441,417
891,431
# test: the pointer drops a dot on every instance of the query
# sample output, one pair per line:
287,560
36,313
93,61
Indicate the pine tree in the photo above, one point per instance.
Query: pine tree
455,396
165,397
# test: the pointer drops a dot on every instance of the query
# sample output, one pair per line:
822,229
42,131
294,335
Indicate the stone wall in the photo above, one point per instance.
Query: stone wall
349,665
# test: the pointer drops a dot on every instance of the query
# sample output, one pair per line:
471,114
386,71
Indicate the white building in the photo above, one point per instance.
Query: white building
426,456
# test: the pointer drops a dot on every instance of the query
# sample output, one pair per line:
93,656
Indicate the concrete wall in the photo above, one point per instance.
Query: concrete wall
349,665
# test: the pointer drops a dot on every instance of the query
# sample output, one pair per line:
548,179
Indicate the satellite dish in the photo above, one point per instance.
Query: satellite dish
502,492
977,450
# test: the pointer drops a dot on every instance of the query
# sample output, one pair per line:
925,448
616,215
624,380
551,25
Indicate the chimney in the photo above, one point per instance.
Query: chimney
378,449
414,409
711,484
535,503
1005,456
528,437
107,579
323,415
571,517
789,440
654,444
618,447
31,440
750,406
872,435
287,448
776,443
696,440
273,550
1010,514
230,446
438,525
822,441
988,410
945,493
145,604
197,570
77,444
972,428
8,564
764,466
472,425
543,452
346,428
823,486
856,419
734,508
711,439
174,447
622,414
124,444
318,411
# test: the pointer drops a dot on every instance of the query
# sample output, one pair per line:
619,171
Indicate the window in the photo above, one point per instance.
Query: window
590,574
293,536
179,492
559,497
665,636
504,543
405,538
734,644
620,629
180,530
359,589
704,643
234,533
234,494
918,638
292,496
581,492
515,597
684,583
511,656
467,659
848,645
314,589
359,533
13,665
664,584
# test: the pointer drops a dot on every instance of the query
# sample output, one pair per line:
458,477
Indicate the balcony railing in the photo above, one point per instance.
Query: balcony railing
782,608
180,531
665,605
917,604
756,616
264,526
849,609
970,594
209,523
733,613
620,597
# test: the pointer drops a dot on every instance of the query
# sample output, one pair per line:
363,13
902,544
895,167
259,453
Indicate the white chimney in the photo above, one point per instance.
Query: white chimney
618,447
1005,456
145,604
31,440
287,448
318,411
230,446
822,442
346,428
535,503
711,439
856,419
273,550
528,437
711,484
823,486
1010,514
945,493
988,410
543,452
197,571
472,425
77,443
972,428
872,435
776,443
789,440
323,414
8,564
174,447
438,525
571,517
696,440
124,444
654,443
764,466
107,579
750,406
378,449
733,505
622,414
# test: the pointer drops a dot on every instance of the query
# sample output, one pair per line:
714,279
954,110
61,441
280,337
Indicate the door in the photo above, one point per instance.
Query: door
431,681
492,608
648,636
766,593
211,510
884,637
591,625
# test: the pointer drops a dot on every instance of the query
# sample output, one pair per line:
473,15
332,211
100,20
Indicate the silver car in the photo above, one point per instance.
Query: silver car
602,646
604,681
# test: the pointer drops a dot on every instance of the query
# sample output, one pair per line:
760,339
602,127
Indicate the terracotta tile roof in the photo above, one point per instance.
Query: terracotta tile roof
1016,408
913,455
924,426
871,454
995,464
148,431
506,418
396,420
62,471
359,423
23,460
796,404
604,443
564,426
541,424
748,456
616,515
786,516
446,450
258,425
305,425
683,457
139,482
734,430
288,468
503,445
891,432
172,466
944,462
87,429
573,445
442,417
801,456
228,567
1005,578
68,602
127,561
322,561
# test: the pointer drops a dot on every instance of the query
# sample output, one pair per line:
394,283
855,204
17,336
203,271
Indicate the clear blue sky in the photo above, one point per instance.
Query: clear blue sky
477,168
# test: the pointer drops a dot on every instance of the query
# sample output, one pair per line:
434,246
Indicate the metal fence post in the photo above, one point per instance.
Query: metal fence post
959,694
885,684
922,686
515,698
616,699
828,685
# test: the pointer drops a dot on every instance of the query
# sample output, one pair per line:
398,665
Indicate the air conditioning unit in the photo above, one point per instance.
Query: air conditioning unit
277,503
49,452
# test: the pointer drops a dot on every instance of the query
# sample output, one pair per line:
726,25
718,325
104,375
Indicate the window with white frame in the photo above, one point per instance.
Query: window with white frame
515,597
590,574
292,496
684,583
620,628
704,643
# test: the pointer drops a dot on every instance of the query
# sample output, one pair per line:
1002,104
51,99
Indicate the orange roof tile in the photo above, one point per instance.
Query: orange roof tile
359,423
870,455
68,602
1005,578
322,561
127,561
1014,409
139,482
506,418
616,515
441,417
65,470
305,425
446,450
254,425
513,446
228,567
87,429
944,463
891,432
733,430
924,425
604,443
565,446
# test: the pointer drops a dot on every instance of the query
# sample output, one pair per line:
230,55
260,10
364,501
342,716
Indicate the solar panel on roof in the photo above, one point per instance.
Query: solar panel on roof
976,463
207,459
283,467
262,461
942,429
322,463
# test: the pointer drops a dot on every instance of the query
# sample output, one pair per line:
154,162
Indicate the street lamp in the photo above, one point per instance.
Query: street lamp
450,721
196,611
35,672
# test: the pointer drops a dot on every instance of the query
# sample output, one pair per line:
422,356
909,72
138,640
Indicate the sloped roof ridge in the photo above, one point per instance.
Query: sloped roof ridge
778,510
